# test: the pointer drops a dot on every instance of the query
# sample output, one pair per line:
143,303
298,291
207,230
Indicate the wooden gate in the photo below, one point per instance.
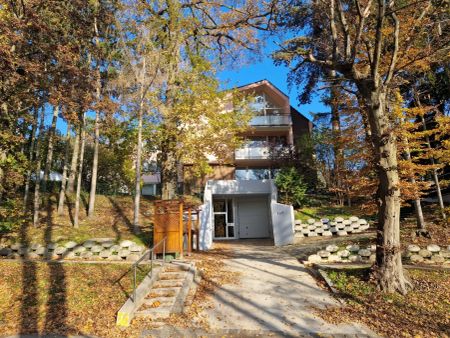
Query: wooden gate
173,220
168,222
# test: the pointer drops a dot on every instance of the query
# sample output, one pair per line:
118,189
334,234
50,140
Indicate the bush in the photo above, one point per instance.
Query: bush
291,187
10,216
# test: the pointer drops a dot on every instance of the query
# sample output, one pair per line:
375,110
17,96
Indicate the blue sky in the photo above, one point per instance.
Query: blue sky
265,69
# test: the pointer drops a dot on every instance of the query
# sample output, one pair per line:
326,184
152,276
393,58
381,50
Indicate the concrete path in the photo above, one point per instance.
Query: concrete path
275,295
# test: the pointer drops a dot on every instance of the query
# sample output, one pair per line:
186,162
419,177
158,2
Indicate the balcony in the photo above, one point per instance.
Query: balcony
259,153
271,120
247,153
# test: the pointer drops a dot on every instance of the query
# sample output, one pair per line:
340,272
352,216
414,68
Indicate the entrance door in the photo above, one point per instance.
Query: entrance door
253,215
224,218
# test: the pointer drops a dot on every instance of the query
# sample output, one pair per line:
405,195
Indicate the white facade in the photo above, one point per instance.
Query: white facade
254,212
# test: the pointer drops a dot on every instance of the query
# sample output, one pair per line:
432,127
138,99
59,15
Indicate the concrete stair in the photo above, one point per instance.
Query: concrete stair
168,292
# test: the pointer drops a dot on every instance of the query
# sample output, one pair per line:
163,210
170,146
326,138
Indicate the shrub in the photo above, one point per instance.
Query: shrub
291,187
10,215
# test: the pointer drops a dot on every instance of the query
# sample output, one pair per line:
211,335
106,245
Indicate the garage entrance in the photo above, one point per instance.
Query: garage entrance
253,217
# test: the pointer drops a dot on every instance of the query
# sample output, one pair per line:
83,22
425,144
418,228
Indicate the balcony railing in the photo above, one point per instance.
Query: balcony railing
259,153
252,153
271,120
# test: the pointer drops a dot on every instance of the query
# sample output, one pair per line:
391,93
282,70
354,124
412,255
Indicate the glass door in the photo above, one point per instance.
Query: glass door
224,218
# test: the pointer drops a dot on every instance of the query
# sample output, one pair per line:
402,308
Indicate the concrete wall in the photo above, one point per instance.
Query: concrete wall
283,220
235,187
281,216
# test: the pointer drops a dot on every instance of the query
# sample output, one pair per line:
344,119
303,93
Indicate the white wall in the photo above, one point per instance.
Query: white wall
149,190
283,223
281,216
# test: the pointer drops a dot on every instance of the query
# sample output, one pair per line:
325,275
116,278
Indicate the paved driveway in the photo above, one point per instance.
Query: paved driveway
275,294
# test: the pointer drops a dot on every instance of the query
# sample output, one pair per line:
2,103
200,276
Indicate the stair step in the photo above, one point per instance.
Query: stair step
168,283
166,301
164,292
156,312
172,275
176,267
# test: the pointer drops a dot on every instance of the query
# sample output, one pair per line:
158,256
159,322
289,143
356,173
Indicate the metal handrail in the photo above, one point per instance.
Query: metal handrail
151,251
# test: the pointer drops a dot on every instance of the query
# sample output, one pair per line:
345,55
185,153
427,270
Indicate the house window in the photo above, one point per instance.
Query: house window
252,174
263,106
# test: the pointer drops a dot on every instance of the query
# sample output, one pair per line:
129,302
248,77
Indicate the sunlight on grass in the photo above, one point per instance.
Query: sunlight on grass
422,312
328,212
64,298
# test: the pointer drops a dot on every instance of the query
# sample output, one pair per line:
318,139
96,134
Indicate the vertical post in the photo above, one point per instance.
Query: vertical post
151,263
189,228
134,284
164,251
181,231
197,230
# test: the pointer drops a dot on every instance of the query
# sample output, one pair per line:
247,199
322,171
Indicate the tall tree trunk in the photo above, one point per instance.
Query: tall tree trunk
37,197
51,136
336,132
93,190
169,173
137,189
434,172
73,164
417,204
95,157
62,191
30,158
80,171
389,269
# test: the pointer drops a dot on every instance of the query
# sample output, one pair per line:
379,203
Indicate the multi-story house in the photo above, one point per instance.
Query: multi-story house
240,198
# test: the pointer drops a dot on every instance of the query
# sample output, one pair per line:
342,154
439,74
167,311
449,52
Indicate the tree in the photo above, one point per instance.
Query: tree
82,134
62,191
30,158
37,173
104,37
179,41
369,43
291,186
49,158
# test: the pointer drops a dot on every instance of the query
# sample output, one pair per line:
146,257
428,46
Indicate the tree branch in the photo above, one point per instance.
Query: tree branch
395,52
378,41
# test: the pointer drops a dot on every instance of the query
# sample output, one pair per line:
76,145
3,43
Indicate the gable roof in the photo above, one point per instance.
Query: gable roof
266,82
280,92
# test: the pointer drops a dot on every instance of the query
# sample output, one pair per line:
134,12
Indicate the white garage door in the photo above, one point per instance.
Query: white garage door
253,217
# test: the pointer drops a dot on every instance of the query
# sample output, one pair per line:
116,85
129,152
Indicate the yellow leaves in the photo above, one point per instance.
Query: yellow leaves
155,304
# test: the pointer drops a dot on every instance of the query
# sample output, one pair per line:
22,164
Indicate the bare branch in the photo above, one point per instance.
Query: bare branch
345,29
395,52
362,20
378,40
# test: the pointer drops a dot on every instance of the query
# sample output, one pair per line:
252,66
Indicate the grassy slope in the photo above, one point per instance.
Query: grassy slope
329,211
78,299
113,219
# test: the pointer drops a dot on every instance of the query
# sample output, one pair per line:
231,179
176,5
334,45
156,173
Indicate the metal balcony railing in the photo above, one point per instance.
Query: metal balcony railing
271,120
258,153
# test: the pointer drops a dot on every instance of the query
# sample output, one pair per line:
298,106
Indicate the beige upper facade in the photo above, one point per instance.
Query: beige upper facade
275,128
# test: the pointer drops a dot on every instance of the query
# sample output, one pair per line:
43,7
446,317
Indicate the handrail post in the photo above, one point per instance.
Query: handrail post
134,285
164,251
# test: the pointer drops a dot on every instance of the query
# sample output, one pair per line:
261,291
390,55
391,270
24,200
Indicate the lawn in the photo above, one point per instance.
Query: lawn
73,298
113,219
329,211
424,312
